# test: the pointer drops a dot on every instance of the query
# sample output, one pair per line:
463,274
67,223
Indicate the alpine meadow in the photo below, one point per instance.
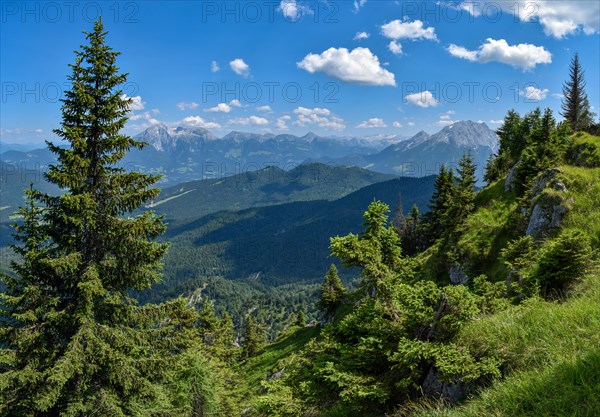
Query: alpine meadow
300,209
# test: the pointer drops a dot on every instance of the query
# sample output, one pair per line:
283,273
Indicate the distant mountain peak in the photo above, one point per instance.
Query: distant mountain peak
467,133
164,138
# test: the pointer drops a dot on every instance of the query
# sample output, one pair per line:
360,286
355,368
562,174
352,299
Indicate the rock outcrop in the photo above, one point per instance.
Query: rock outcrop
548,204
509,184
457,275
453,390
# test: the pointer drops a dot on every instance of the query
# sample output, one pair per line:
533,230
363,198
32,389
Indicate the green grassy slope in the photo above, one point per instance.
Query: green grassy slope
550,350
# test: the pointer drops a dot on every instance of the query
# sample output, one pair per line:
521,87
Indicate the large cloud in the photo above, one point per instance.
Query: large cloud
559,18
358,66
524,55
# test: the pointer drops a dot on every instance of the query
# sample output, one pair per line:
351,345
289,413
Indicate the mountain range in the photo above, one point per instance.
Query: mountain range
423,154
183,153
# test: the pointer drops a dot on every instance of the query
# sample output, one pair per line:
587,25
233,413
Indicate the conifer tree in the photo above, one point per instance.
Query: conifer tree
441,199
398,219
463,201
376,251
72,341
411,239
332,291
226,340
300,319
575,105
253,338
208,323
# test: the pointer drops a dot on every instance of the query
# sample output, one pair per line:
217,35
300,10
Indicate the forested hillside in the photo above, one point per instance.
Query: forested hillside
499,307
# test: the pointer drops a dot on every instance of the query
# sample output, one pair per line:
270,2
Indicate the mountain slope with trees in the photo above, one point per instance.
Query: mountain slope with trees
499,308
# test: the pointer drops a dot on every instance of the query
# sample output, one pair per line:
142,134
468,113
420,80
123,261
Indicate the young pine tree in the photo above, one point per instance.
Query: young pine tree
376,251
300,319
463,200
332,291
72,341
575,105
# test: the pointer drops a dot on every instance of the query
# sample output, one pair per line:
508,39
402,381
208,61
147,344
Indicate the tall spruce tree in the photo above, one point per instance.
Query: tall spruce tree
72,341
575,105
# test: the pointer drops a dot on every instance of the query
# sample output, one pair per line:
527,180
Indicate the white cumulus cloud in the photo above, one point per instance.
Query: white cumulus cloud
446,119
559,18
136,102
264,108
422,99
293,10
373,122
524,55
532,93
317,116
219,108
405,29
197,121
395,47
252,120
358,66
187,106
224,107
281,122
360,36
240,67
396,124
214,67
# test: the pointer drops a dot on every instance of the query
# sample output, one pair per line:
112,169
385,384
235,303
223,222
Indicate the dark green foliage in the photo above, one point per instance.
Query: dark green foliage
548,146
208,324
513,139
332,291
376,251
73,342
563,261
534,142
253,337
410,231
437,217
300,319
379,353
463,200
575,105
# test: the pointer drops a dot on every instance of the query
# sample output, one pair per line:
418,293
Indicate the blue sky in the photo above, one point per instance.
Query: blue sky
334,68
